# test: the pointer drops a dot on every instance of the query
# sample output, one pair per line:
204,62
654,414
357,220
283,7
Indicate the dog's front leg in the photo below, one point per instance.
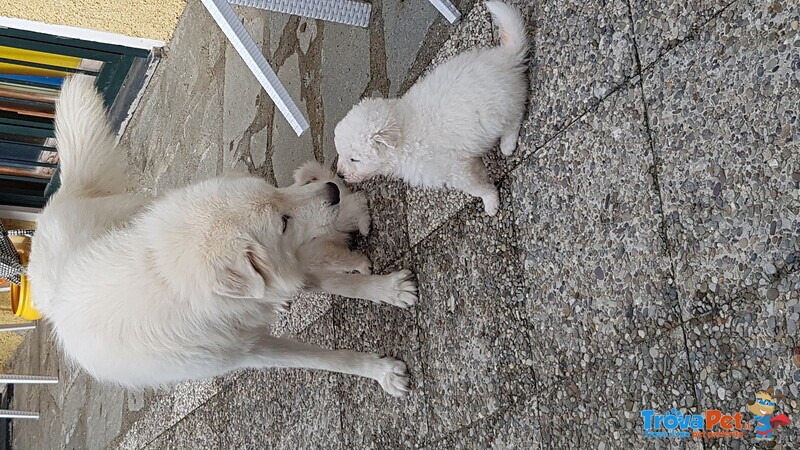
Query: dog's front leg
269,351
398,288
341,259
333,256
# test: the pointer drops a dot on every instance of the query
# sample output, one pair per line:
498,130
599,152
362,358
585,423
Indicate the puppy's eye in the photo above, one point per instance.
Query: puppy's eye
285,220
355,160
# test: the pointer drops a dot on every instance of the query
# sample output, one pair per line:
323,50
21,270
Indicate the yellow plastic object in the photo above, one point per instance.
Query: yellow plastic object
50,59
21,304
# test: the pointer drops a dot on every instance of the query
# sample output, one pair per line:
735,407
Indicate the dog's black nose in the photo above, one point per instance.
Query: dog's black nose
333,193
339,174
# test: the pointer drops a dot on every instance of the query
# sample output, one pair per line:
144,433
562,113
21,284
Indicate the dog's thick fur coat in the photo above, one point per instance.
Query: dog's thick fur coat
151,291
438,132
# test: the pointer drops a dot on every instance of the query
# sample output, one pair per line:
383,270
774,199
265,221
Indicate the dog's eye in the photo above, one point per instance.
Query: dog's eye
355,160
285,220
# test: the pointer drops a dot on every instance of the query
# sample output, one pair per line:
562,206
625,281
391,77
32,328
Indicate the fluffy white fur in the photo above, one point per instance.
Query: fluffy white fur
150,291
332,250
438,132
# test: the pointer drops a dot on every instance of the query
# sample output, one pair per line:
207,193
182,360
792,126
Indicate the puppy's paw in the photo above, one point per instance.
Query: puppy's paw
364,224
392,374
491,203
364,266
364,220
284,306
360,264
508,145
402,290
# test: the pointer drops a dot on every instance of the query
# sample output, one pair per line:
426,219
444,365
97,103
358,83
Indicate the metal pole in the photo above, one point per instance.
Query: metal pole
27,379
9,414
18,326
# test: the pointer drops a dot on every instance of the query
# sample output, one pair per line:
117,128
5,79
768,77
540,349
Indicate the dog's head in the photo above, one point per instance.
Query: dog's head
365,138
260,261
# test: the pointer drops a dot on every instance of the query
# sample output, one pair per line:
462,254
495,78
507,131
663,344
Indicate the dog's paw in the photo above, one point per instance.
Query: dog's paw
392,374
491,203
402,289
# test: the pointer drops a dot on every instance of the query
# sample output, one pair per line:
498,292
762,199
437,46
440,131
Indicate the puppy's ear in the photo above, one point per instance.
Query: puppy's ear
387,138
247,276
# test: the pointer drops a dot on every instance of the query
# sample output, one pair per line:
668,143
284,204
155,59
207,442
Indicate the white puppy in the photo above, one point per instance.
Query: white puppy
146,292
437,133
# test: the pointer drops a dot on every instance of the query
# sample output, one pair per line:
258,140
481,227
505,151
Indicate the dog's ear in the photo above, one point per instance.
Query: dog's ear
387,138
247,276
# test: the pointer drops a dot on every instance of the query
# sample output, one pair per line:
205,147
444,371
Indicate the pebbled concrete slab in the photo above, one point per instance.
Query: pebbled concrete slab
724,126
472,320
595,263
515,427
608,341
581,52
600,407
392,423
660,26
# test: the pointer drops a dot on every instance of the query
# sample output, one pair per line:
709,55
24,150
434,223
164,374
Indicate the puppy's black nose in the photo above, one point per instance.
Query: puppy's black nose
339,174
333,193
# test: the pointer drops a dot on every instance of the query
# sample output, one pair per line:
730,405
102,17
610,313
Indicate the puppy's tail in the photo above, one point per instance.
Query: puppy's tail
312,171
513,36
90,165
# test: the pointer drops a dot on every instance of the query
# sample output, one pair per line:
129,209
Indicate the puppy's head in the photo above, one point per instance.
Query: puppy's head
260,261
365,139
312,172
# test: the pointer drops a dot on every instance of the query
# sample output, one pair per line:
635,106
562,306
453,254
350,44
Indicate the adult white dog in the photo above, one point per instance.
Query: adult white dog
147,292
437,133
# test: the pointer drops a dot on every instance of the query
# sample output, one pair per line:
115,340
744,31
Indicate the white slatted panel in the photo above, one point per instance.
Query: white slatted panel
230,24
350,12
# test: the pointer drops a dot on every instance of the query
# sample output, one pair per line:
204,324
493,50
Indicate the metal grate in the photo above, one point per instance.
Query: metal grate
10,267
349,12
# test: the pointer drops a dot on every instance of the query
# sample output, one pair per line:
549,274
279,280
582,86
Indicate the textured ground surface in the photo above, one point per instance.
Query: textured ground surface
645,257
